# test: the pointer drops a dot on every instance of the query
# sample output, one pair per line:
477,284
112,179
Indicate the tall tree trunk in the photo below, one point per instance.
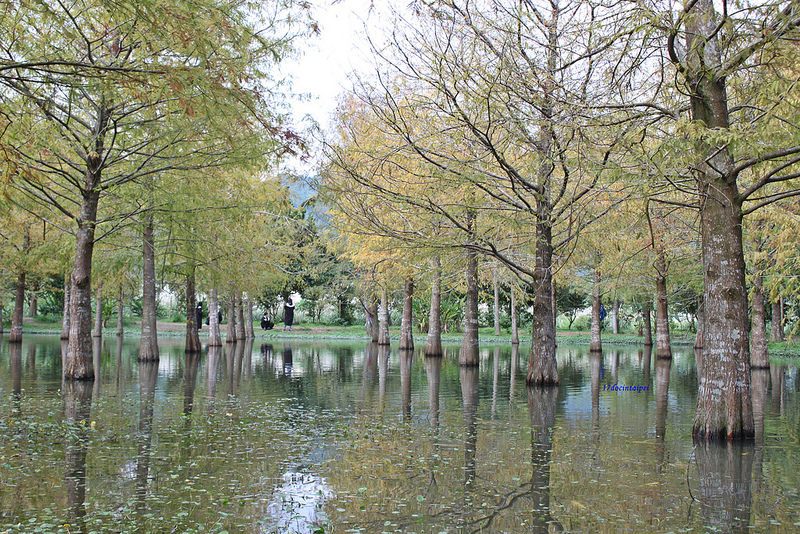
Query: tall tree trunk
542,366
701,324
759,356
514,327
776,332
372,320
383,323
496,284
469,344
148,350
98,311
33,299
407,324
596,344
192,335
214,338
648,327
120,312
434,344
15,335
78,361
615,316
663,349
249,333
65,312
230,337
240,326
724,408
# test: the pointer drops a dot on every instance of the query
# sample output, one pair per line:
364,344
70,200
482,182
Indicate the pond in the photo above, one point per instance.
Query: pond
337,437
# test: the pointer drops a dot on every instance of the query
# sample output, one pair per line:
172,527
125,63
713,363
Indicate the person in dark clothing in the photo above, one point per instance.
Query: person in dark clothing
198,311
288,315
266,323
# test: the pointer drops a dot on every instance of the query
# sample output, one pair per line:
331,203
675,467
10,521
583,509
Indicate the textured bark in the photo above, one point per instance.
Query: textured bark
469,343
78,361
701,324
407,323
514,326
663,349
148,350
542,365
496,285
15,335
383,322
120,313
65,312
433,346
648,327
469,398
98,311
372,321
214,338
248,331
33,299
230,336
759,355
542,404
596,344
615,316
192,344
776,330
241,331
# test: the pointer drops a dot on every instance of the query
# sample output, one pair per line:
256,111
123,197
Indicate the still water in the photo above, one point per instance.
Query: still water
331,437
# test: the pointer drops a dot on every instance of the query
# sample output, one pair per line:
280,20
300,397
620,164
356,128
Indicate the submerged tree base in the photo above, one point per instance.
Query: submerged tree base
706,435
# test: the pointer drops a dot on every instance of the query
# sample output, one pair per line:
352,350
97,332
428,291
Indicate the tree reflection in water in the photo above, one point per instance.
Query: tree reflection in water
383,364
77,396
406,359
148,374
725,471
15,362
469,397
542,403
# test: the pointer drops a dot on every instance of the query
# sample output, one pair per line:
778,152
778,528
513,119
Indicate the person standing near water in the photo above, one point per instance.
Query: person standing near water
288,315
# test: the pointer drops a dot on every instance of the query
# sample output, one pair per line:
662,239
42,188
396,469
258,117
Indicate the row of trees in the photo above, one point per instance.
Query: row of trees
622,144
137,132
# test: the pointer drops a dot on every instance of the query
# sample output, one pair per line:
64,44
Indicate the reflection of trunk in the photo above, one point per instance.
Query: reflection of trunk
192,334
65,313
759,384
231,334
15,335
31,361
98,312
512,375
78,363
214,338
514,327
433,366
249,334
776,331
759,357
776,374
120,314
118,366
248,359
725,473
434,345
663,350
596,342
495,378
542,403
469,397
77,411
15,363
407,325
615,316
469,343
406,357
238,354
148,374
662,394
648,327
383,326
97,347
149,343
647,359
383,363
701,323
496,284
595,363
190,381
212,369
